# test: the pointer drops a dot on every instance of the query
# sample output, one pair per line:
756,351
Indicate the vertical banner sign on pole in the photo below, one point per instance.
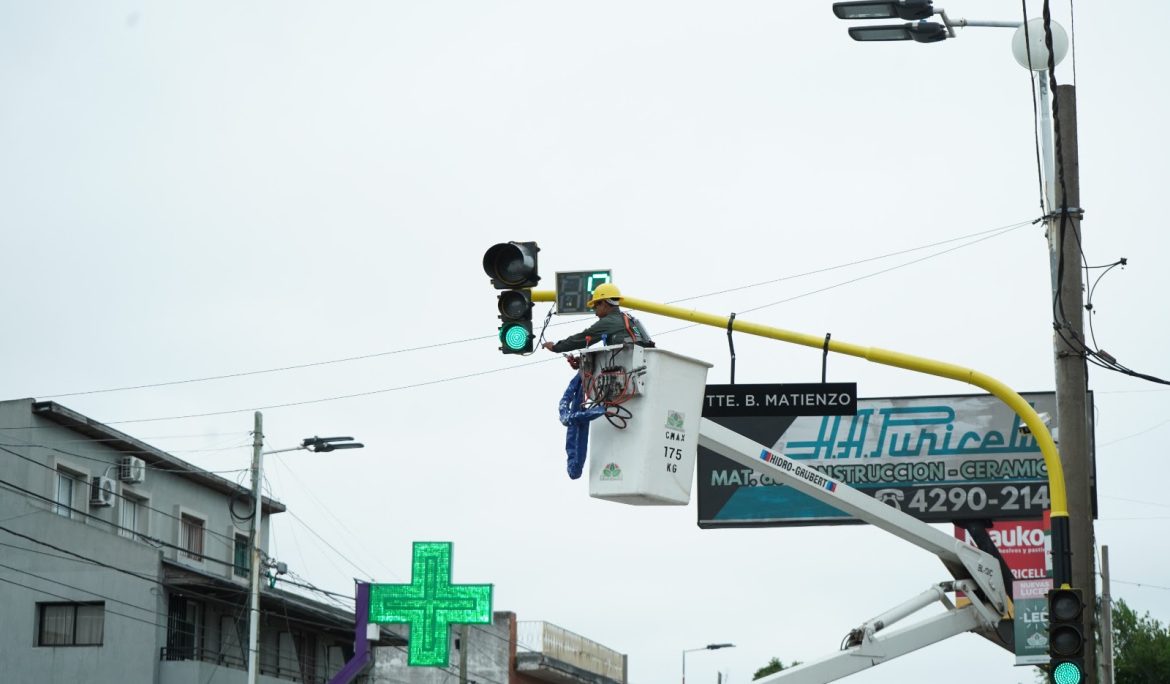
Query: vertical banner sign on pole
430,604
1026,547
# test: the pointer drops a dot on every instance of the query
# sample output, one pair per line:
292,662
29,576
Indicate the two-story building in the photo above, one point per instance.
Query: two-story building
121,563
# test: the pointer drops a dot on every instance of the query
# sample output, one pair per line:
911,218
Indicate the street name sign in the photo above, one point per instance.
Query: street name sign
792,399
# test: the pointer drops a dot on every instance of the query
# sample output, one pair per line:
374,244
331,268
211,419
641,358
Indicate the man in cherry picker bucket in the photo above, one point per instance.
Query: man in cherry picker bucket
613,326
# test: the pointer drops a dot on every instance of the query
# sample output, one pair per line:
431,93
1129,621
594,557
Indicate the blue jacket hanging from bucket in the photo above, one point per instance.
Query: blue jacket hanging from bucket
576,418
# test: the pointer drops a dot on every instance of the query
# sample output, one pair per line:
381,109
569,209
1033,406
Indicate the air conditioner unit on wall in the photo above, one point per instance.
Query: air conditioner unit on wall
132,469
102,491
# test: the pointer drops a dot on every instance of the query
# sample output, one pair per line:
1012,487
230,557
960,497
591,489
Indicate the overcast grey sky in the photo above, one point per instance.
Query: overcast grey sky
198,189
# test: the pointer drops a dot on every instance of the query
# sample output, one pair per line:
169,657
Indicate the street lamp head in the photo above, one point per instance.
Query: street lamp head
712,647
335,447
922,32
910,10
322,444
1031,42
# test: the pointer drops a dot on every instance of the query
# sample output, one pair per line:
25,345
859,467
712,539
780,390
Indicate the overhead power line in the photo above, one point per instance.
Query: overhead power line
320,400
436,345
982,236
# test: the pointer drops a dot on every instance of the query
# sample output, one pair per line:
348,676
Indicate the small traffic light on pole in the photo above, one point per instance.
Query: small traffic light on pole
512,267
1066,640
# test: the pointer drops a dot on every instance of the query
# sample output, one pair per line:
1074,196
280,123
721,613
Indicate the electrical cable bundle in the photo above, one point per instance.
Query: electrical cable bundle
611,387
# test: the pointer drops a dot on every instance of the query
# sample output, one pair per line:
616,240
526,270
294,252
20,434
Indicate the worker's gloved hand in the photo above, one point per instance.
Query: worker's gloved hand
574,362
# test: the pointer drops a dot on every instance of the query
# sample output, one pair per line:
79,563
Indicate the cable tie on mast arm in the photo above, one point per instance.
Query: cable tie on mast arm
825,359
731,344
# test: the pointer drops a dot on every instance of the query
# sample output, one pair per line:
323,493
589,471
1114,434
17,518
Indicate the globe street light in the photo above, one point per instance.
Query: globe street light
708,647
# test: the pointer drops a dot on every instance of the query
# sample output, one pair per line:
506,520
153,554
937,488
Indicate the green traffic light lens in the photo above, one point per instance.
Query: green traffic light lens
1067,673
515,337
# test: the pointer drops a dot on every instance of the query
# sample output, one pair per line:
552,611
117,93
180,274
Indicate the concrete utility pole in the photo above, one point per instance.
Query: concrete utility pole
1072,383
254,585
1106,620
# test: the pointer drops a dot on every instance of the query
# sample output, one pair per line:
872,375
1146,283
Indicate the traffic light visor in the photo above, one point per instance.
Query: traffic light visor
512,264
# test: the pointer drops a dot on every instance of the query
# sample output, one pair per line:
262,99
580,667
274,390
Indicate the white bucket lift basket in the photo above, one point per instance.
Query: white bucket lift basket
658,398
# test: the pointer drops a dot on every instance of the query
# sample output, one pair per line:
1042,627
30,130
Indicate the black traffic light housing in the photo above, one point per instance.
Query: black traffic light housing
512,266
1066,638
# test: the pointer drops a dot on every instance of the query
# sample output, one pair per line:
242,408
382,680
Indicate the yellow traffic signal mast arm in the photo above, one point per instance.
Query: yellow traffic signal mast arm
1058,498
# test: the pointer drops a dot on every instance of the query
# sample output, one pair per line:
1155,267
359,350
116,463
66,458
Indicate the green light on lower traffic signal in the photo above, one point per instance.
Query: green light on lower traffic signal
1067,673
515,337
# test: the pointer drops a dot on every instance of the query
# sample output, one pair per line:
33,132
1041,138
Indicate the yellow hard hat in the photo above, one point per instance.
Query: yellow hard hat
604,291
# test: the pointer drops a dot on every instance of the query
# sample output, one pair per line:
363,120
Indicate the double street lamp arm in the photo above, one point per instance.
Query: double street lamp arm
912,10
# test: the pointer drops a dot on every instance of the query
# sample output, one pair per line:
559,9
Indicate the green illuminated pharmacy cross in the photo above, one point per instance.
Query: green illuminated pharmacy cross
430,603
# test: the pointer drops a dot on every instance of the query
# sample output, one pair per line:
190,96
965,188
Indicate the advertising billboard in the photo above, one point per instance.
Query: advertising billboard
940,459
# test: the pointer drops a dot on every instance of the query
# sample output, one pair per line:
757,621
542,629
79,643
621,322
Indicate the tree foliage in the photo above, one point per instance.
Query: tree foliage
1141,647
774,665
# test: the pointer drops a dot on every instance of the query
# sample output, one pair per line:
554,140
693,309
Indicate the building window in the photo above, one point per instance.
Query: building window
67,486
70,624
242,554
131,517
184,629
191,537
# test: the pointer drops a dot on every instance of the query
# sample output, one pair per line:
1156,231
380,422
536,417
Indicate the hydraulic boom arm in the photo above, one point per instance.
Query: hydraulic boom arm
975,571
